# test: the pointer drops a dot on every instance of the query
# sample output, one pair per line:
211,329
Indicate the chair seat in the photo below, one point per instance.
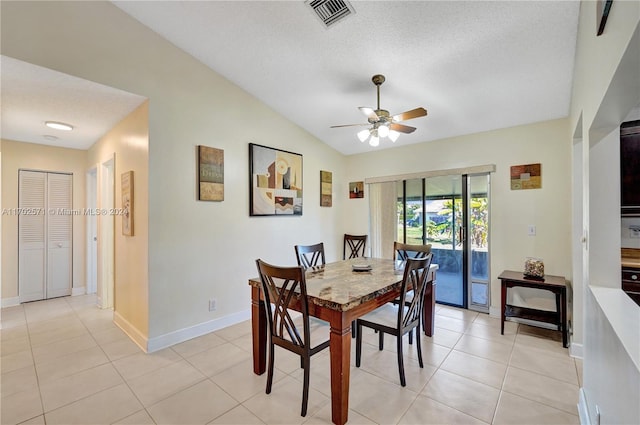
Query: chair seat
386,315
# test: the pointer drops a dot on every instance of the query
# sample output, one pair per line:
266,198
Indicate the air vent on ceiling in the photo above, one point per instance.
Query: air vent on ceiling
331,11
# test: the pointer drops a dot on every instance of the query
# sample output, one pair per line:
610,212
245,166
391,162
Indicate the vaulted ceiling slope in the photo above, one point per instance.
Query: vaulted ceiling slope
474,65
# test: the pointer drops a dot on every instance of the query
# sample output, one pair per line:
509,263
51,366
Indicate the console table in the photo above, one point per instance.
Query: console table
555,284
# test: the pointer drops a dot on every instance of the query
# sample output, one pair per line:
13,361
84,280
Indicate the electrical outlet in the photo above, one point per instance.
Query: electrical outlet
531,230
213,304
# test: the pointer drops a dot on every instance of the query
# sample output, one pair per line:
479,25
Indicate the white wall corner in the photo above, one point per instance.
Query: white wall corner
131,331
583,411
10,302
185,334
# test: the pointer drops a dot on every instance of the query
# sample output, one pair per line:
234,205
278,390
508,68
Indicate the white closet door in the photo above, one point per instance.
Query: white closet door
44,235
59,234
31,236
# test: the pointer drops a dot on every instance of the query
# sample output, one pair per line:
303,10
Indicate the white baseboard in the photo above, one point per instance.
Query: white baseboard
576,350
80,290
133,333
181,335
583,411
10,302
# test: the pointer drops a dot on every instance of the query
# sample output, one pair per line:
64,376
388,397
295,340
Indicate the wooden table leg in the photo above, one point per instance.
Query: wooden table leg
258,332
503,305
563,317
429,308
340,351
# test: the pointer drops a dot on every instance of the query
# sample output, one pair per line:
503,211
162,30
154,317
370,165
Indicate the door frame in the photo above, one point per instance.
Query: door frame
106,235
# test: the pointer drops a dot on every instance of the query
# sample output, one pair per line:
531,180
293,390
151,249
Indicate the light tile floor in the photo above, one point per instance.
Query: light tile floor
65,362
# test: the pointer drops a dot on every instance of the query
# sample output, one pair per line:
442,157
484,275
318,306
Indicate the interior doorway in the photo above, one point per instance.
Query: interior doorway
92,231
106,235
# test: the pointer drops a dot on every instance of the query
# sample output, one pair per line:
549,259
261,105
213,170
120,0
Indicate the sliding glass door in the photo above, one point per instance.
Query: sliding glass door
451,213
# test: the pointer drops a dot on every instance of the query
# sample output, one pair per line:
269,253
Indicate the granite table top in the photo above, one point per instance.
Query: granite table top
338,287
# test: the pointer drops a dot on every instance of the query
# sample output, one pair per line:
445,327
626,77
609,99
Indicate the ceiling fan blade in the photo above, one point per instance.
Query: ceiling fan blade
414,113
402,128
370,113
348,125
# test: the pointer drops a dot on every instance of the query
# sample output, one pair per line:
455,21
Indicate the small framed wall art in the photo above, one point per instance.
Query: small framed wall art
210,174
356,190
126,186
326,187
275,181
527,176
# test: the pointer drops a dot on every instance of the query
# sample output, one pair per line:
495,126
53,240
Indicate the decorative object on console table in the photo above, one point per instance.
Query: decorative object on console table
210,174
528,176
275,181
533,268
356,190
556,284
126,180
326,188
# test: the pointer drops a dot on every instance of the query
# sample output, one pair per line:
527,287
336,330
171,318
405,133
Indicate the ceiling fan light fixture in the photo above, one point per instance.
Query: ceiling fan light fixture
393,135
363,135
374,140
58,125
383,131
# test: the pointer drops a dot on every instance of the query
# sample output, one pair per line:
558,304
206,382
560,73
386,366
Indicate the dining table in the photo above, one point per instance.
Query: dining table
339,293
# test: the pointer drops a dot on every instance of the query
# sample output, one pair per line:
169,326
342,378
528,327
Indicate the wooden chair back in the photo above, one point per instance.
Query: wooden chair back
414,279
356,245
310,255
284,286
403,251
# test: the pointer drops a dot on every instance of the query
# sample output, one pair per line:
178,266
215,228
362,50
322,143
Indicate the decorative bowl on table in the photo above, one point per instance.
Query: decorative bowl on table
533,268
361,267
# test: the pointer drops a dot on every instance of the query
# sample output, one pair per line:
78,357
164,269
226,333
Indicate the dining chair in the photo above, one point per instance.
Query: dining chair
283,286
356,245
402,251
310,255
401,320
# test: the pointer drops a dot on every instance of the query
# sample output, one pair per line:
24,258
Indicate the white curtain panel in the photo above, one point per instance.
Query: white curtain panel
383,218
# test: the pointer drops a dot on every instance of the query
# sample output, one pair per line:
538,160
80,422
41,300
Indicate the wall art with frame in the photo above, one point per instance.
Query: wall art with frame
326,188
210,174
126,189
275,181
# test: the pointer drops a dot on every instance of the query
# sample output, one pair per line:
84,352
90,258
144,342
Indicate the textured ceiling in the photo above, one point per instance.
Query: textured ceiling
475,66
32,95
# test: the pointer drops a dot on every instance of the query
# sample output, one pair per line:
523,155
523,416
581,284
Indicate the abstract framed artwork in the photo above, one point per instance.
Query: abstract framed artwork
210,174
275,181
326,188
126,186
527,176
356,190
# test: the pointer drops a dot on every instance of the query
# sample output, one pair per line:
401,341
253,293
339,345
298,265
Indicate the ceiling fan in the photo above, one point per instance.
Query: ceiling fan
382,123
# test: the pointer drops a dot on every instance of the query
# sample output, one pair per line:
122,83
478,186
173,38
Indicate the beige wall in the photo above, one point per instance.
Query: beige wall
197,250
16,156
511,210
129,141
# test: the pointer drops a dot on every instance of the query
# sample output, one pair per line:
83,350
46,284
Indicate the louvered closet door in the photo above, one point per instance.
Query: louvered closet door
59,227
44,235
31,235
